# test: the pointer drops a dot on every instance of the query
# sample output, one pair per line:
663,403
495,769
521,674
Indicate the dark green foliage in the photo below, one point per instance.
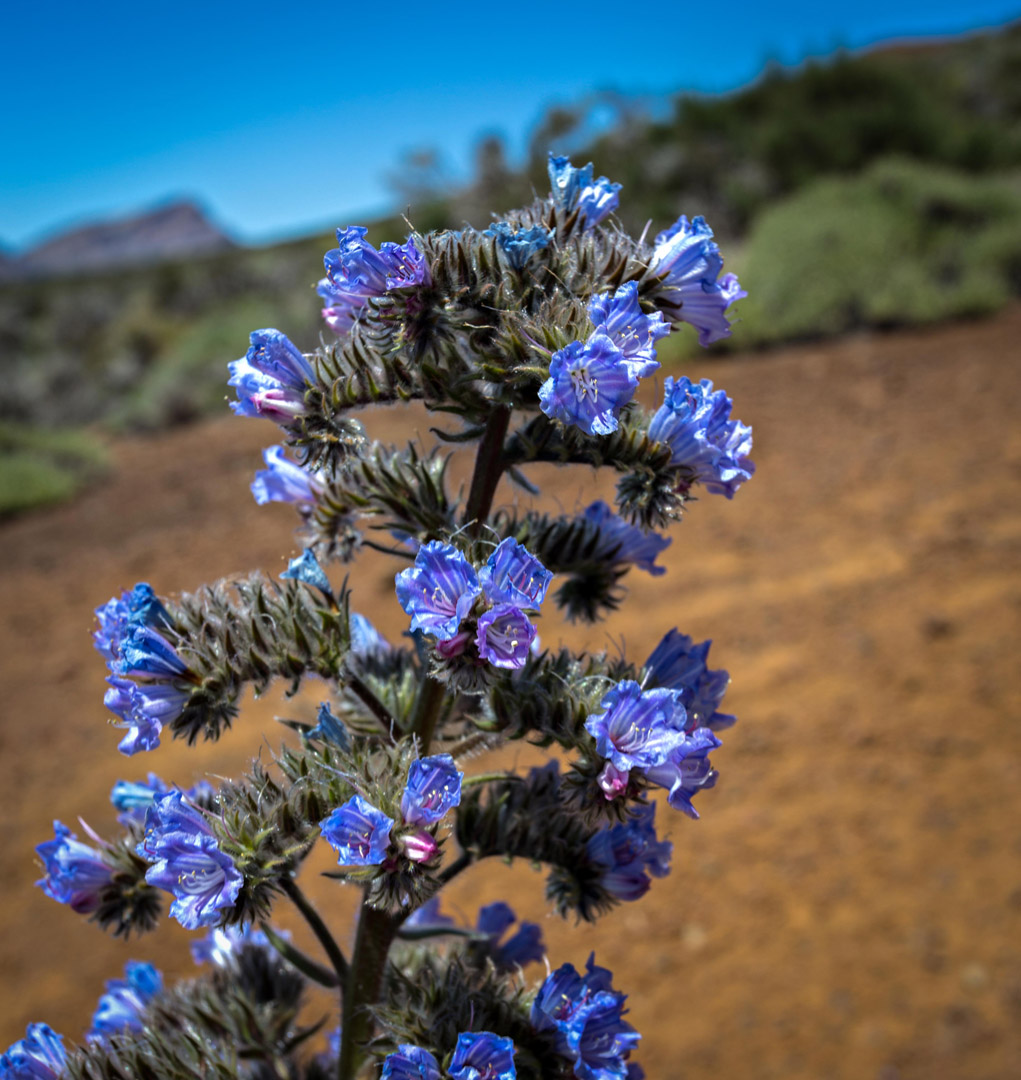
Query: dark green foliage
252,630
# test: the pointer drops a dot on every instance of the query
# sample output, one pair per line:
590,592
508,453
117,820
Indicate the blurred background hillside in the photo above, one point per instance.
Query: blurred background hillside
864,191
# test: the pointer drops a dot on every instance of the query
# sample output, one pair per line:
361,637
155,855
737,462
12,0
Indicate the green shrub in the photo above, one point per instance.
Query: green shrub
42,465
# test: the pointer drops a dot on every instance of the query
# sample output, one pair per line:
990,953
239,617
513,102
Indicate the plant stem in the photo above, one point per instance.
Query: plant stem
319,928
375,934
489,466
428,704
305,964
374,705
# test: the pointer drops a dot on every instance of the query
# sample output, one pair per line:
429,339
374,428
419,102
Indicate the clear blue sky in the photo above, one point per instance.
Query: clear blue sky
286,117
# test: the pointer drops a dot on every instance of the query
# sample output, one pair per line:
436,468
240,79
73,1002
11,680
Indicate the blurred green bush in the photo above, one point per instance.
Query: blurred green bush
42,465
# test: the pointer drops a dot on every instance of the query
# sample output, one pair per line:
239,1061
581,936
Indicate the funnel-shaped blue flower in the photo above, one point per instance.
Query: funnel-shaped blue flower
519,245
690,263
271,378
139,607
439,590
120,1008
679,664
329,728
504,636
589,383
575,189
358,832
145,709
76,874
305,568
481,1055
146,653
222,944
630,852
621,318
686,770
285,481
513,575
434,788
410,1063
133,798
694,421
524,946
40,1055
637,729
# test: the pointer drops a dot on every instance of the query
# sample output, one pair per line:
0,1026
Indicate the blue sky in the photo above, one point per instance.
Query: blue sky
284,118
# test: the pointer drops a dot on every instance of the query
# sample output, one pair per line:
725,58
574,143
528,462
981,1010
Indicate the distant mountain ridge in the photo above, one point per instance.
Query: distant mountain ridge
172,231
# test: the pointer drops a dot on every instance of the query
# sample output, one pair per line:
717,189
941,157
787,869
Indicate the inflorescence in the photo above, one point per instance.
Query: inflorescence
533,335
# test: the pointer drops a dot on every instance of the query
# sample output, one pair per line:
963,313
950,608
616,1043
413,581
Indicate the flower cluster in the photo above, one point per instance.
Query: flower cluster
271,379
694,421
479,1055
688,262
443,589
647,731
585,1014
575,191
591,381
361,834
187,862
357,273
120,1008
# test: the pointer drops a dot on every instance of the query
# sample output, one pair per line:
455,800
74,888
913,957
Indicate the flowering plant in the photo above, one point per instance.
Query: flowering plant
534,336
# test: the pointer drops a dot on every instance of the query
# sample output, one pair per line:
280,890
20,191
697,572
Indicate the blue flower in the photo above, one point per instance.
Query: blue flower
504,636
694,421
429,916
439,590
637,729
686,770
357,273
524,946
144,708
585,1014
140,607
146,653
358,832
120,1008
690,262
222,944
285,481
76,874
633,332
519,245
306,568
271,379
187,862
630,852
513,575
679,664
329,729
133,798
365,638
574,189
410,1063
40,1055
433,788
622,542
481,1055
589,383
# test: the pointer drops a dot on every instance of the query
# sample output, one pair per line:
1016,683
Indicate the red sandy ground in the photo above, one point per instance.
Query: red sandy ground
850,903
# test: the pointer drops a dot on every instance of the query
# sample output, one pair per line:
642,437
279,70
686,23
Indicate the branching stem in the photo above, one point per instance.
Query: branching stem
319,928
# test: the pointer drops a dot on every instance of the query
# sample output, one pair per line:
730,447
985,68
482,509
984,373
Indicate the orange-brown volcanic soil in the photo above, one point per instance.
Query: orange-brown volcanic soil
850,903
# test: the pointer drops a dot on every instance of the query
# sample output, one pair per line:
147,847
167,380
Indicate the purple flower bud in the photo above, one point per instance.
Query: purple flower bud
637,730
622,542
574,189
76,874
481,1055
439,590
589,383
434,788
410,1063
690,263
679,664
504,636
633,332
285,481
358,832
519,245
630,852
40,1055
613,781
120,1008
419,846
694,421
513,575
